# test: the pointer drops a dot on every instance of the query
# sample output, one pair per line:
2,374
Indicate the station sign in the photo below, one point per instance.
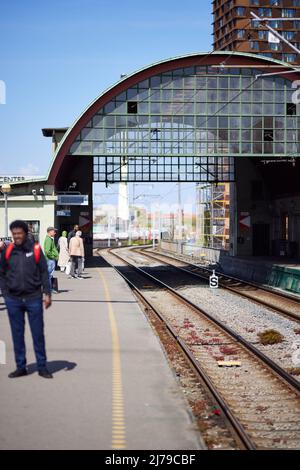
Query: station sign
64,213
17,179
245,220
72,200
214,281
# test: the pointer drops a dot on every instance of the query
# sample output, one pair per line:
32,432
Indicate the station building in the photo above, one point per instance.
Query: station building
212,118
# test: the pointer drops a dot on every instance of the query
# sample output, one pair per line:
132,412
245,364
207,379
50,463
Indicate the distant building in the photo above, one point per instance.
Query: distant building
234,30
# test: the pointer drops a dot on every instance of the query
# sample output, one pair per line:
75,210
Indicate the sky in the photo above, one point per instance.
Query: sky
56,57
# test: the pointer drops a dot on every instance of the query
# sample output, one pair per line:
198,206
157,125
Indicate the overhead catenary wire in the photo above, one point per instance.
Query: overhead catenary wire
205,121
157,158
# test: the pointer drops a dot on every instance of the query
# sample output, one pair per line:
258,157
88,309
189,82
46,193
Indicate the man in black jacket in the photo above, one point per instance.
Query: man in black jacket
72,233
23,281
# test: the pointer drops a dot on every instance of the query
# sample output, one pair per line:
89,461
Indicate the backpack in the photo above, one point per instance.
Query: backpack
36,251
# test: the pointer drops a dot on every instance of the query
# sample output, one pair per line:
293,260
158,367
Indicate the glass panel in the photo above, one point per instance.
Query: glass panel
202,110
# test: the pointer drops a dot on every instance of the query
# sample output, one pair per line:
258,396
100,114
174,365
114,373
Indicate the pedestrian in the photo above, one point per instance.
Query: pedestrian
76,250
51,253
2,249
2,246
24,281
72,233
64,255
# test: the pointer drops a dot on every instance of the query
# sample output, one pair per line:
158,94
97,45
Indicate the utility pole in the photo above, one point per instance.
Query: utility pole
180,218
6,189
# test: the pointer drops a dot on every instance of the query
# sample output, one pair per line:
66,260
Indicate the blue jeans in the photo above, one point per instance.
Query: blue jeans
16,312
51,269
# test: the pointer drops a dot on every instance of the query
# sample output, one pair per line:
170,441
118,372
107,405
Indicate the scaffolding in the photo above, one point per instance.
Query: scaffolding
213,218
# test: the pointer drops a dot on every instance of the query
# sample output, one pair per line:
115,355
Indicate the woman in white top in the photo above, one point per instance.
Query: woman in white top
64,255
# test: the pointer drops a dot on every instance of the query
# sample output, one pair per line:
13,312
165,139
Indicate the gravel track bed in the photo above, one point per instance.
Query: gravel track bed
264,404
245,317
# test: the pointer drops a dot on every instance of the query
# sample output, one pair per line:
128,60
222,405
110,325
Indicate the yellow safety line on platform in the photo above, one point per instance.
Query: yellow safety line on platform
118,420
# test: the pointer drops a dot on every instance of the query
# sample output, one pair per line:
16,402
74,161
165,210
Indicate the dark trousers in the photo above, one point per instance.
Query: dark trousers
76,262
16,312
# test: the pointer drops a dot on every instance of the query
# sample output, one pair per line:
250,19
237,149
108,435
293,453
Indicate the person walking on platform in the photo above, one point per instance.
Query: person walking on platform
72,233
64,255
24,280
51,253
76,250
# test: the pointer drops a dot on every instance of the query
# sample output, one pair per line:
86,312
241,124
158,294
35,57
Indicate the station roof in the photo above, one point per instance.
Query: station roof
50,131
213,58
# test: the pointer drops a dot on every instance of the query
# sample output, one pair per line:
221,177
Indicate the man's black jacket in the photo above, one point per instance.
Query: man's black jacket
21,276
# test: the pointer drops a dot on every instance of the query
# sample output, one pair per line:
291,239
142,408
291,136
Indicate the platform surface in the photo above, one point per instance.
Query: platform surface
272,261
113,387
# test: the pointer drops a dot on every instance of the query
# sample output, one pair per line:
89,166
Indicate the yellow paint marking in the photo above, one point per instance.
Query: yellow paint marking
118,428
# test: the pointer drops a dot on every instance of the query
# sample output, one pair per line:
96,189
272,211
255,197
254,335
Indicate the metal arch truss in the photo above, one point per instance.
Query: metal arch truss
199,169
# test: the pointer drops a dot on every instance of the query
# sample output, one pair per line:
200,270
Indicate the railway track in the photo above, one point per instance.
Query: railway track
260,399
279,301
188,283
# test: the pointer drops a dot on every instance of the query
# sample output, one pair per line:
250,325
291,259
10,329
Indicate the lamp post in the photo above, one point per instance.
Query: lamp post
6,189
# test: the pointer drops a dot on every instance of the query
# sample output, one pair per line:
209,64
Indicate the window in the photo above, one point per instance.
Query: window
254,45
296,3
274,23
288,13
34,228
262,34
289,57
132,107
289,35
240,11
254,2
240,33
291,109
268,135
265,11
274,46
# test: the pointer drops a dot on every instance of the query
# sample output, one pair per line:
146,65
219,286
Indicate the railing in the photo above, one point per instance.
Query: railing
194,251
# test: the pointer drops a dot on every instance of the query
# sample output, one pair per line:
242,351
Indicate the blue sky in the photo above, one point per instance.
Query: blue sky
55,57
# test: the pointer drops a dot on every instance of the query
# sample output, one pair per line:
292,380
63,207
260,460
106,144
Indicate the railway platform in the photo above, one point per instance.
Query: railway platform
113,387
277,272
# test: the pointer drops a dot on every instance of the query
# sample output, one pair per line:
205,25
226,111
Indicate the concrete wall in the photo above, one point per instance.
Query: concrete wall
29,208
23,204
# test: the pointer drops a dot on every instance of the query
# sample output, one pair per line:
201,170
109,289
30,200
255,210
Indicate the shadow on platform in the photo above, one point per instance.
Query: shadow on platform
53,366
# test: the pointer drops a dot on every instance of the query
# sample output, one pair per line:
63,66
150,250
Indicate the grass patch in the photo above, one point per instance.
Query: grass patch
270,337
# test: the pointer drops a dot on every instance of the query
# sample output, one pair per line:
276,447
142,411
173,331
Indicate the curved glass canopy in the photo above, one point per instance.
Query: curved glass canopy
187,124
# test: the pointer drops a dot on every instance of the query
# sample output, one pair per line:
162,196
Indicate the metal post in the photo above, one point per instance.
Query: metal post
109,230
6,215
179,218
233,219
153,227
159,226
